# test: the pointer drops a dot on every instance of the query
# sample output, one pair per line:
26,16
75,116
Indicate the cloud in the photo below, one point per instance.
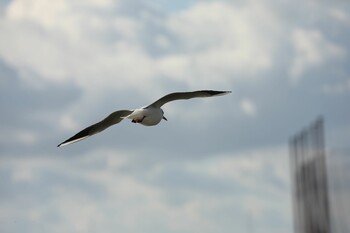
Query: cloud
337,88
220,39
72,42
75,195
248,107
71,64
312,50
339,188
30,122
19,137
69,44
339,15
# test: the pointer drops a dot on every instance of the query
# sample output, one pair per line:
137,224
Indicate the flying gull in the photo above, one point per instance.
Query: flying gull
148,116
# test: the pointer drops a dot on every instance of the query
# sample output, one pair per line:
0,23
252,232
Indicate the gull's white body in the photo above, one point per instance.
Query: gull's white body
148,116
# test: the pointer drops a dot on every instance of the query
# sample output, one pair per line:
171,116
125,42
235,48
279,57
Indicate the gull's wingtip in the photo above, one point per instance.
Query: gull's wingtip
62,144
218,93
71,141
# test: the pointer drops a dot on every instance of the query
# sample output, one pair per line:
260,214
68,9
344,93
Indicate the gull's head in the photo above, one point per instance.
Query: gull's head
163,115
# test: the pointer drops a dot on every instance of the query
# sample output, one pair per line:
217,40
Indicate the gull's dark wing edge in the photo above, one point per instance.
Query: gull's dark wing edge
186,95
113,118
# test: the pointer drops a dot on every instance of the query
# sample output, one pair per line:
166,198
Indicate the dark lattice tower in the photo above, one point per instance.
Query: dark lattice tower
309,180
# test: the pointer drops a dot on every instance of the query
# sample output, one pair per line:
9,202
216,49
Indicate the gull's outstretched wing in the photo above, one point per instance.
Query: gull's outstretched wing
186,95
113,118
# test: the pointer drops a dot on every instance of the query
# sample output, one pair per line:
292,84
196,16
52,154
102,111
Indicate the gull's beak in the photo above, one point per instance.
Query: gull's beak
165,118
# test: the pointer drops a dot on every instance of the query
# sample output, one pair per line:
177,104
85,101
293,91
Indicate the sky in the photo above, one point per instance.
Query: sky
218,164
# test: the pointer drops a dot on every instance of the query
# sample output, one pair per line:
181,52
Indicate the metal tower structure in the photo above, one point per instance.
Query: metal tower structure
309,180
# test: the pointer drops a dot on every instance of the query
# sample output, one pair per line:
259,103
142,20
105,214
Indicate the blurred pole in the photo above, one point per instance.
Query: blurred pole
309,180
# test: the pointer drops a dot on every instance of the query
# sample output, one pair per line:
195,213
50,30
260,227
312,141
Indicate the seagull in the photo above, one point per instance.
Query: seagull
147,116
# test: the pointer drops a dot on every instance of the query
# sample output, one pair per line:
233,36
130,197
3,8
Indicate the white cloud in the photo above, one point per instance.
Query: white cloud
19,137
128,196
66,43
26,137
337,88
245,166
312,50
54,15
339,15
68,123
69,41
221,39
248,107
